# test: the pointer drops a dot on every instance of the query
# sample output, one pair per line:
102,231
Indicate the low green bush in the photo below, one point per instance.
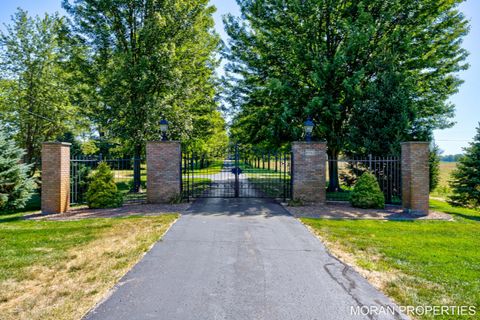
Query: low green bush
102,191
298,202
367,194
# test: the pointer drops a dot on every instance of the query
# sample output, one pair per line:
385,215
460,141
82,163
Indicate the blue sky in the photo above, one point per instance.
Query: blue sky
467,100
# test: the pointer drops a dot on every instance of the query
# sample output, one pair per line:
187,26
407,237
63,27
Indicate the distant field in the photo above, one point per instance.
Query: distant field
443,189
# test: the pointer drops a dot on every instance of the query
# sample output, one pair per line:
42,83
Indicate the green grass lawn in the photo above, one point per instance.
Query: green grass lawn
271,186
59,270
214,167
415,263
126,189
196,186
272,183
344,195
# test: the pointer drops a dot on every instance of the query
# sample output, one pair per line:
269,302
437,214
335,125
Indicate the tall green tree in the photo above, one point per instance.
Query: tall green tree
465,182
369,72
16,187
35,94
149,60
434,166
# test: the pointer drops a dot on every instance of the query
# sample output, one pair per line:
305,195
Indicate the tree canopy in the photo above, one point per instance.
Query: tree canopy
149,60
370,73
35,100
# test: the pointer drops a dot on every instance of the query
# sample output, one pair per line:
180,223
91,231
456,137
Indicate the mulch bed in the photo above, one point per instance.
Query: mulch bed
343,210
125,211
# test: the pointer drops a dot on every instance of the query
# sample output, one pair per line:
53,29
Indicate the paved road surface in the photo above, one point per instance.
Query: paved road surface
239,259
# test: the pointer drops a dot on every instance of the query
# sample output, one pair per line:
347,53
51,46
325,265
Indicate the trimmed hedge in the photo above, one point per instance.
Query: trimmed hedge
367,194
102,191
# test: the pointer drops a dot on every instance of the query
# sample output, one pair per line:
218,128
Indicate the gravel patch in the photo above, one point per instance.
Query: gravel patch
125,211
346,211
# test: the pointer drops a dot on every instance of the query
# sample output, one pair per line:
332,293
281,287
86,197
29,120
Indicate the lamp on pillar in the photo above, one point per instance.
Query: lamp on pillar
308,127
164,129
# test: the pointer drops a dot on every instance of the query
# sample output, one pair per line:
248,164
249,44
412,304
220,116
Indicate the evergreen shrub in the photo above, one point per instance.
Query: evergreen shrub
102,191
16,183
367,194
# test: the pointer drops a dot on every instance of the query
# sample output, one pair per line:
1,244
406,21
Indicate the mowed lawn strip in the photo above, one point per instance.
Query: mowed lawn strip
59,270
416,263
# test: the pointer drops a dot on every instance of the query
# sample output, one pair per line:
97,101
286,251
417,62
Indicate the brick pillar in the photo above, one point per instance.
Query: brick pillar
55,177
415,177
309,179
163,171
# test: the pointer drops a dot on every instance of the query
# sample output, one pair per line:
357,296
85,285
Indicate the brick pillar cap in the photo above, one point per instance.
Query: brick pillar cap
309,142
66,144
415,142
165,142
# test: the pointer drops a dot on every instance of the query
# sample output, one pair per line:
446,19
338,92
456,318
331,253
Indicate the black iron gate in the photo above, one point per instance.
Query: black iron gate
237,173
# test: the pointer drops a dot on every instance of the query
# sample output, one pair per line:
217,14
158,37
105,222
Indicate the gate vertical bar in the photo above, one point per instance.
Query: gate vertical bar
237,181
284,176
290,192
182,179
189,181
192,168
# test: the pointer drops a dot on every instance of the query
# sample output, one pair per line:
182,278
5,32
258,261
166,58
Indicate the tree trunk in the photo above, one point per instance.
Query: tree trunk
137,183
333,181
30,158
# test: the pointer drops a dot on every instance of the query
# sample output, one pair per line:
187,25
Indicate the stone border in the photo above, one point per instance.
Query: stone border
121,212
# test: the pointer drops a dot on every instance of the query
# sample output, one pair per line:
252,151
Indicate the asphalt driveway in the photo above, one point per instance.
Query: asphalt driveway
240,259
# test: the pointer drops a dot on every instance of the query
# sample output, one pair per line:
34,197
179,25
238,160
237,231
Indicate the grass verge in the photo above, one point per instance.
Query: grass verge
416,263
59,270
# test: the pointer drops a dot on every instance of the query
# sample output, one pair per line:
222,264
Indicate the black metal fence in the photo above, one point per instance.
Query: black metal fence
81,169
387,170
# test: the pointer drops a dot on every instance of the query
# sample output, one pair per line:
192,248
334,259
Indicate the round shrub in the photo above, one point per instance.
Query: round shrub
367,194
102,191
